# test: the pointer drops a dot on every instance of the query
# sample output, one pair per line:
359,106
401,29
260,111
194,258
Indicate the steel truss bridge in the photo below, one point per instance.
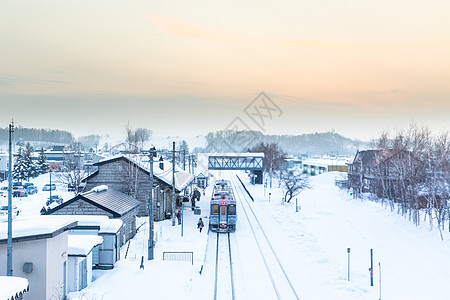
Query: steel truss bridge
236,161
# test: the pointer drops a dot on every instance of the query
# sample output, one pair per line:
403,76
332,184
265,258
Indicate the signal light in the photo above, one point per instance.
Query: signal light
223,203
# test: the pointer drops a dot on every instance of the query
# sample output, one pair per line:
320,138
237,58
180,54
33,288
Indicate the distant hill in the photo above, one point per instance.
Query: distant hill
309,144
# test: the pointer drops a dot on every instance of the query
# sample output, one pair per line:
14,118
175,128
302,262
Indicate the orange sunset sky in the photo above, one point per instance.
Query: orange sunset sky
184,68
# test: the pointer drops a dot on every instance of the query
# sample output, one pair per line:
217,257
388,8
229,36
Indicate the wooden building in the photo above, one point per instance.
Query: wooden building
103,201
131,175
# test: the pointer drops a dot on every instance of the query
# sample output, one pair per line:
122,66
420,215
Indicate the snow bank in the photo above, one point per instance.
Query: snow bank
11,286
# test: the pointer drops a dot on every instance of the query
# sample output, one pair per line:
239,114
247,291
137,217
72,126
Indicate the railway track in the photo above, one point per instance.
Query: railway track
223,279
279,279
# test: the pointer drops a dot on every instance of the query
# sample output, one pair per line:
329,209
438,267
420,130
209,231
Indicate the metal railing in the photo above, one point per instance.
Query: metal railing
179,256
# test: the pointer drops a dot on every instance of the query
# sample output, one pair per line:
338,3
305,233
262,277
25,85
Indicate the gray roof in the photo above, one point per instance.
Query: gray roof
110,200
113,200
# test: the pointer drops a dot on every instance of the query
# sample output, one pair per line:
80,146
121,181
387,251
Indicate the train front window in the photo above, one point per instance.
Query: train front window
214,209
231,209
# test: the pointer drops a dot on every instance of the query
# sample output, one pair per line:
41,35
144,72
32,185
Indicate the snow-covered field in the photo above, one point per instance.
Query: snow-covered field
312,244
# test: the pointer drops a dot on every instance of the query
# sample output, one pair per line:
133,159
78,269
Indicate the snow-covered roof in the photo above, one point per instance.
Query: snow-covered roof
182,178
83,244
46,226
12,287
106,224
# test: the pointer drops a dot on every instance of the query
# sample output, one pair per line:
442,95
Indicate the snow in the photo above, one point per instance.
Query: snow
35,226
311,243
106,224
182,178
325,162
100,188
83,244
10,286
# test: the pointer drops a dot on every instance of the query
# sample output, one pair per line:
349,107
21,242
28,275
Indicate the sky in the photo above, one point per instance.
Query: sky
185,68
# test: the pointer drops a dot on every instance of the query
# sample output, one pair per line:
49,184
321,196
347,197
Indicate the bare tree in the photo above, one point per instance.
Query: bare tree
273,157
136,141
72,170
413,172
293,183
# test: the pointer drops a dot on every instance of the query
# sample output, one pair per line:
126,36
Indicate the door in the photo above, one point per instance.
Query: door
63,281
223,214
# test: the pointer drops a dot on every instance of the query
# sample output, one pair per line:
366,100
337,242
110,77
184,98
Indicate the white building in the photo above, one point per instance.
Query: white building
39,254
80,260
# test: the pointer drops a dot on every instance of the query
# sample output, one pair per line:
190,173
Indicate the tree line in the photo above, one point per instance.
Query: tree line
35,134
412,174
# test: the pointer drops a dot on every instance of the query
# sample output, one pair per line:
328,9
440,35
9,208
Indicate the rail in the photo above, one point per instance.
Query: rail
272,262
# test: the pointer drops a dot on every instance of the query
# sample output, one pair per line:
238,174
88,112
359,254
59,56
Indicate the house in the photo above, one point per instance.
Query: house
80,260
202,181
13,288
372,171
40,247
131,175
108,252
103,201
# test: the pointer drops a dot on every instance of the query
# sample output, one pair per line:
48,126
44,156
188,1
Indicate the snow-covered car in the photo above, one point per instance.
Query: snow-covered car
4,211
48,187
54,198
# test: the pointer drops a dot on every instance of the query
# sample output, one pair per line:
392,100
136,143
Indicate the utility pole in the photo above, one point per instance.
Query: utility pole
9,269
189,161
184,159
50,185
173,185
151,245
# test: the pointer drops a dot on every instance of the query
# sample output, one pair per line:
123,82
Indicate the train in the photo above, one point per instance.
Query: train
222,216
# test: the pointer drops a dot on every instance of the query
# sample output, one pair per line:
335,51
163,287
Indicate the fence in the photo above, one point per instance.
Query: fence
179,256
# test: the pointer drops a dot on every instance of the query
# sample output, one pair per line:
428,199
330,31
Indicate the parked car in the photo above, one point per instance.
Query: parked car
30,188
54,198
48,187
4,191
4,211
19,191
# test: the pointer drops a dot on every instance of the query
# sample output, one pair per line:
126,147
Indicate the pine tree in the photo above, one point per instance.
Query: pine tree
20,168
41,163
32,169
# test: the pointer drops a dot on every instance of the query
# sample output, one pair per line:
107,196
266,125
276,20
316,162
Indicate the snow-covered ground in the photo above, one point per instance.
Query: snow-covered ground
312,244
31,205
